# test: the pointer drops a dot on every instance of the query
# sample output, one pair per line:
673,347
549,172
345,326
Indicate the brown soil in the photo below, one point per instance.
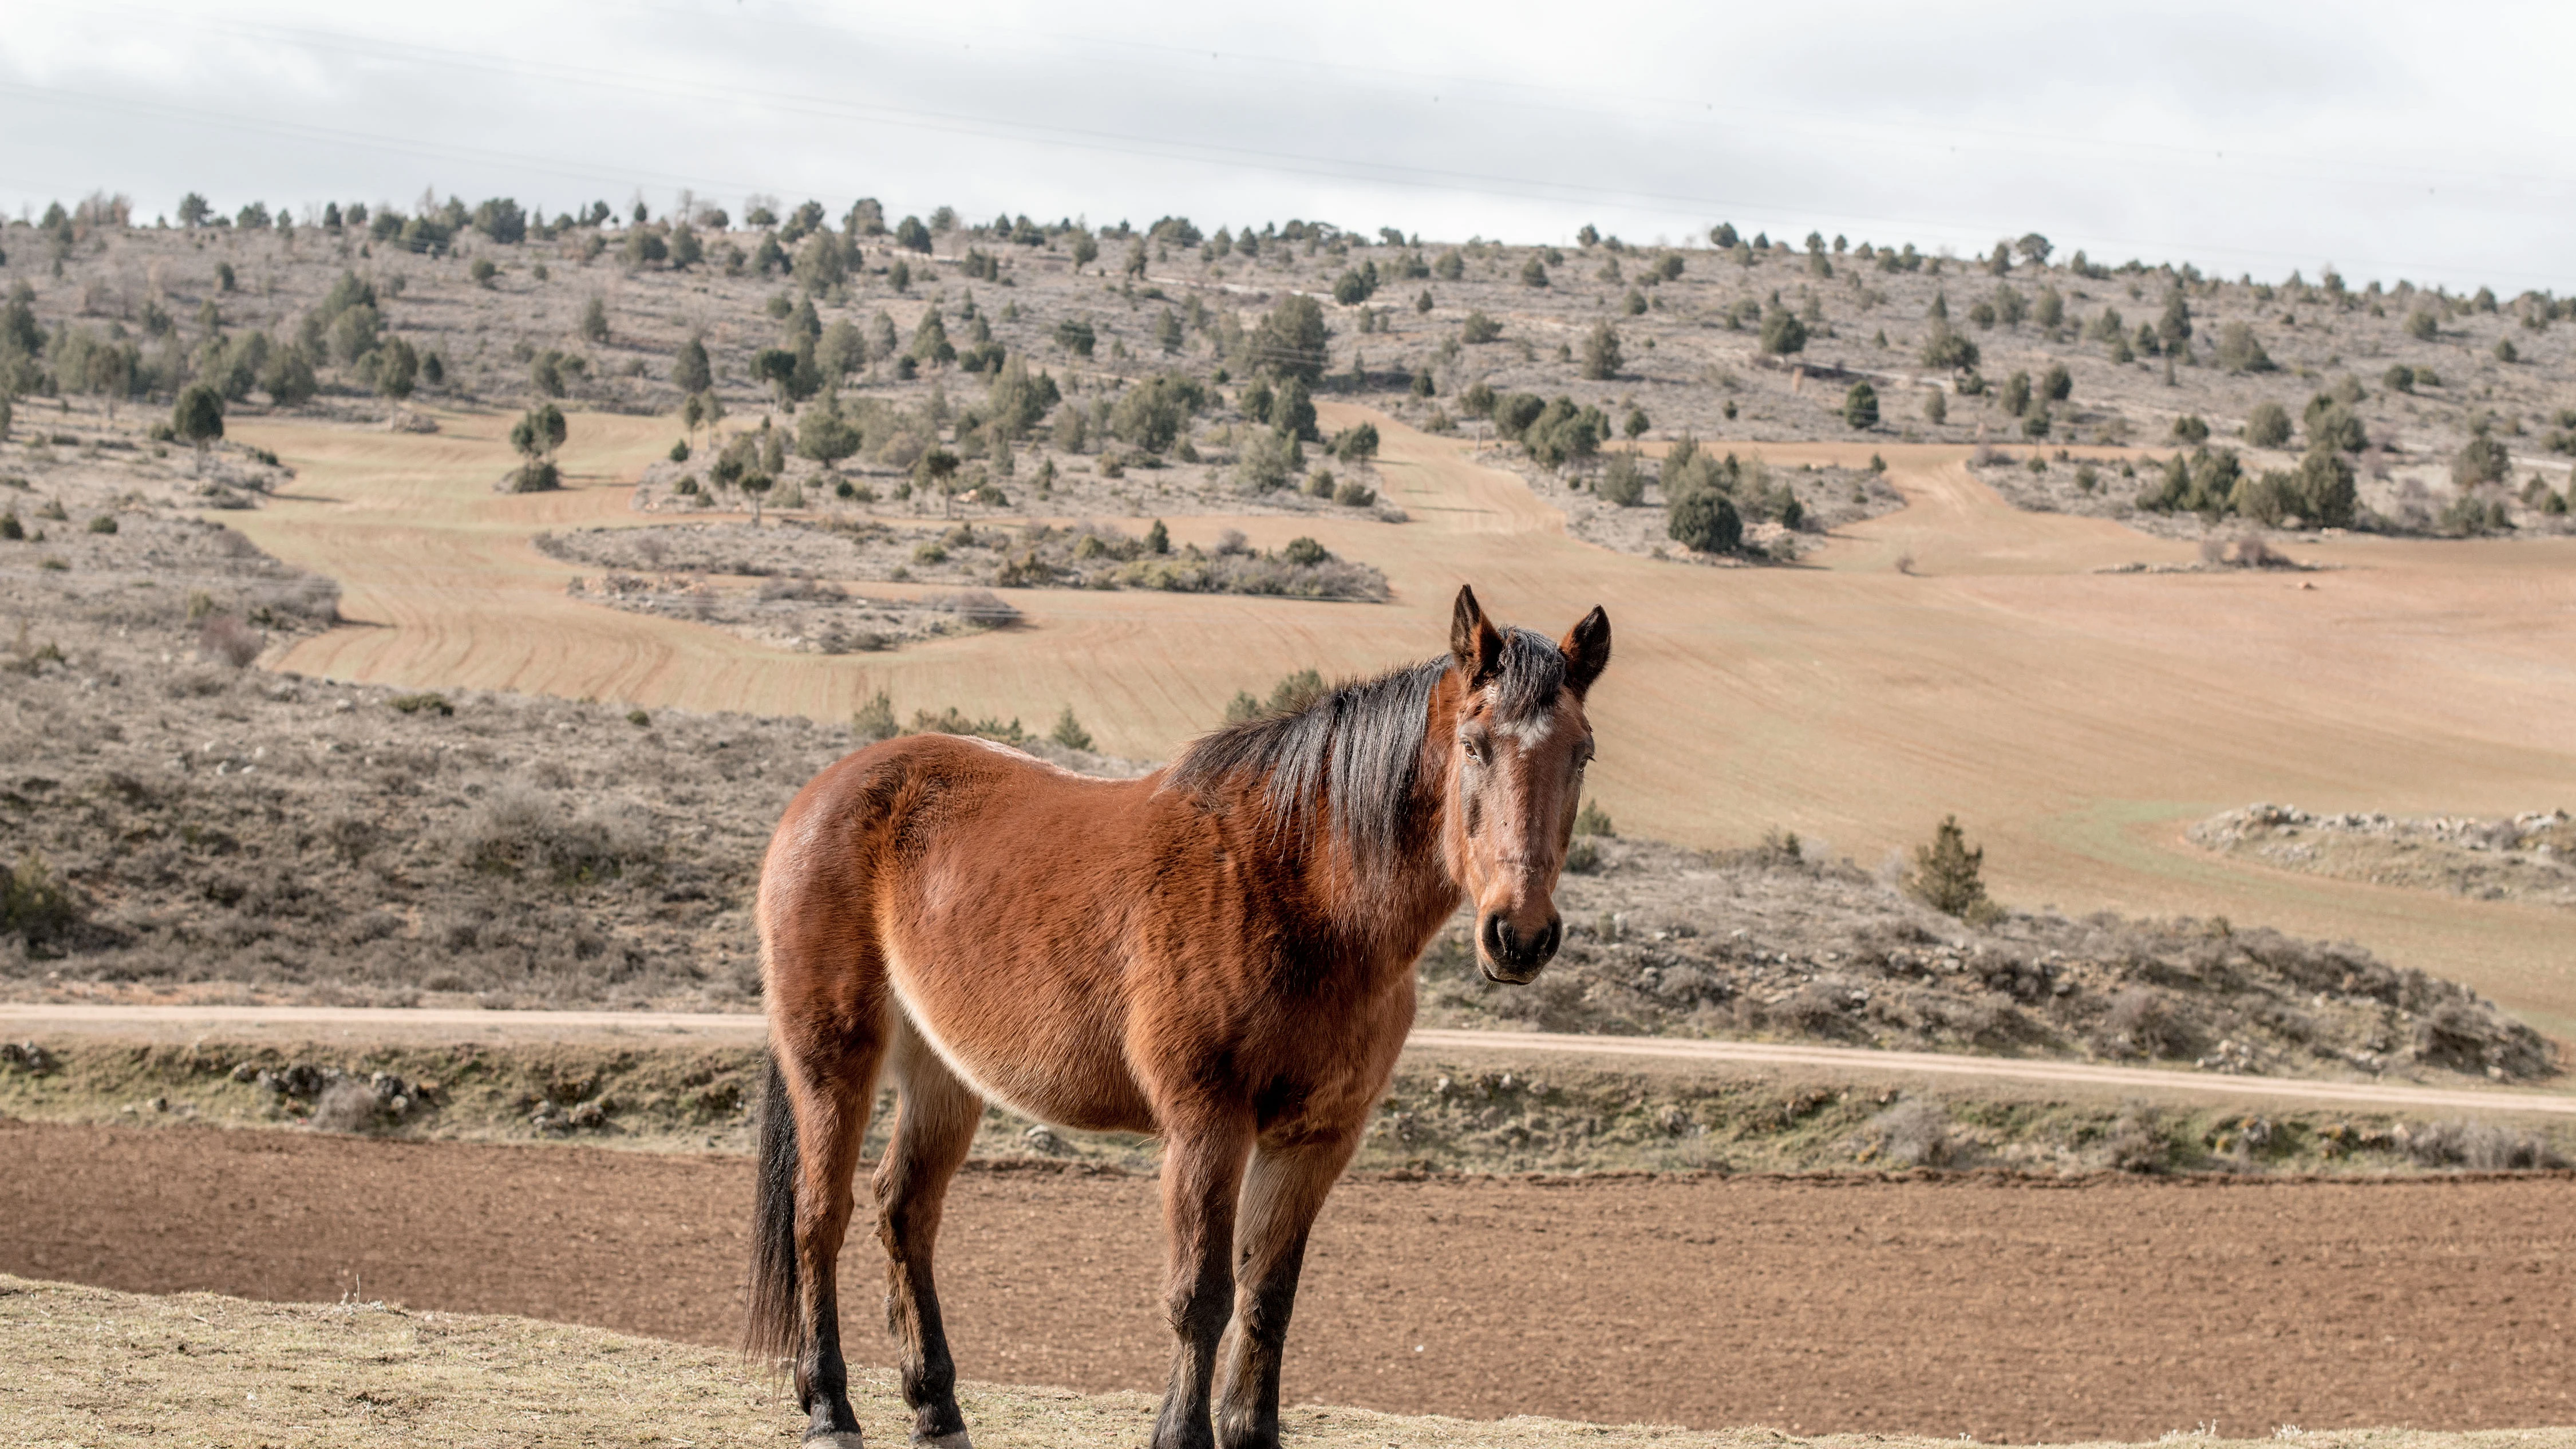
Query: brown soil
1999,1308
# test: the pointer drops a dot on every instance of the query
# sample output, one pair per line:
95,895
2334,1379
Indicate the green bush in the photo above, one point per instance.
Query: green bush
1945,348
1949,877
1705,521
2268,425
2422,325
2016,394
1622,483
2331,424
1601,357
35,907
1478,329
1069,732
2239,350
2481,460
1291,340
1783,333
1860,406
2056,384
2190,428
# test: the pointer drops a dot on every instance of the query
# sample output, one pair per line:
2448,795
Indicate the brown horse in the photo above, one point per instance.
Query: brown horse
1220,953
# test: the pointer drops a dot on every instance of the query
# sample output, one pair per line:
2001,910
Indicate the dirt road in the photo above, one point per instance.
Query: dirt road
410,1023
2002,1309
2074,720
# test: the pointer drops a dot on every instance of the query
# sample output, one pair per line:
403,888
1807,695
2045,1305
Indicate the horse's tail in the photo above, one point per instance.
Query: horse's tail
775,1329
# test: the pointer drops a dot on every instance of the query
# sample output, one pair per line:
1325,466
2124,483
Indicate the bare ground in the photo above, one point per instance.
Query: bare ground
1968,1305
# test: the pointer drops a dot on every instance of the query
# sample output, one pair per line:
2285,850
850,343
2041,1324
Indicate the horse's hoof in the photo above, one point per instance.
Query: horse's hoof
954,1440
835,1439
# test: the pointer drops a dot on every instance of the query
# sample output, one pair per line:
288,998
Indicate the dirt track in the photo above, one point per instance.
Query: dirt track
1989,1307
2076,721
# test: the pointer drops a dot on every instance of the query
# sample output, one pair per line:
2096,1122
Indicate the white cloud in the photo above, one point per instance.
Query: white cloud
2393,140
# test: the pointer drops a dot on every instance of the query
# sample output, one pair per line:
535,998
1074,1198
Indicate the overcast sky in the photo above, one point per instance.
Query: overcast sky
2433,142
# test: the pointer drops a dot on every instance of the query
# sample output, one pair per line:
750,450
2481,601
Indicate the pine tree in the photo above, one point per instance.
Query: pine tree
1949,877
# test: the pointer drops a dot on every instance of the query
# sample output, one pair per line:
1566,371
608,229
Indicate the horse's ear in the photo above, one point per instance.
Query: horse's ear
1587,651
1473,643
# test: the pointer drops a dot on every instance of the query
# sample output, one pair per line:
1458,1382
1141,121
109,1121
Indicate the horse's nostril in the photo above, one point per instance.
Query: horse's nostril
1498,938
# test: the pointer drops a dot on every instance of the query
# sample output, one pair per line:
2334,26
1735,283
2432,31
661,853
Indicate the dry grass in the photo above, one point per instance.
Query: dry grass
1449,1110
92,1367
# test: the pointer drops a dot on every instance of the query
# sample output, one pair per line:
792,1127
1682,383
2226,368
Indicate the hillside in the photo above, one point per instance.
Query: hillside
1015,354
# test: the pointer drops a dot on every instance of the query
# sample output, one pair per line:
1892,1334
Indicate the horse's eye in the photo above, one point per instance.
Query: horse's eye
1583,755
1480,749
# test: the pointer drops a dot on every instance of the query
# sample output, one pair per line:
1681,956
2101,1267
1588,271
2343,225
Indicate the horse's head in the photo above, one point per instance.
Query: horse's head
1516,777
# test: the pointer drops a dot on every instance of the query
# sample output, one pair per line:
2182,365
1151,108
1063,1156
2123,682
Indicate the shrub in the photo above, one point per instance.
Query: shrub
1949,876
1705,521
2331,424
1291,340
223,637
2268,426
2056,384
1352,494
2481,460
1478,329
1593,820
1783,333
1946,348
1533,273
1936,407
1860,406
34,906
2016,394
2190,428
1069,732
2422,325
198,419
1622,483
1913,1133
2239,350
1601,352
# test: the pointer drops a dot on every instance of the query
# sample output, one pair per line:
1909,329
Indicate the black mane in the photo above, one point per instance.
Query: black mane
1356,751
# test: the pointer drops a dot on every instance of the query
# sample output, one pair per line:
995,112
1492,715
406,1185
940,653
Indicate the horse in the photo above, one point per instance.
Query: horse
1220,954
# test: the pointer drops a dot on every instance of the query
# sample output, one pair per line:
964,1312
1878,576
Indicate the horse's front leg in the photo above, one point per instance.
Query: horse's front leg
1202,1174
1282,1193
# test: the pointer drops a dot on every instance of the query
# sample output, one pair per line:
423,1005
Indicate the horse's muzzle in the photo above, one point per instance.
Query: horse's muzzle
1515,959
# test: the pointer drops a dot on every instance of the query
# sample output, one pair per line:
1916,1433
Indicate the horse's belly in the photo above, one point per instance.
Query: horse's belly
1040,1049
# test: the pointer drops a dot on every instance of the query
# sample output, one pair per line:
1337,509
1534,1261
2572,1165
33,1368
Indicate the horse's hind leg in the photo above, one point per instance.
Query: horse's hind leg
934,1126
1282,1192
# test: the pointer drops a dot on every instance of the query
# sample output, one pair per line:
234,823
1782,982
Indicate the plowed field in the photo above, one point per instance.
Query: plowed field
2006,1309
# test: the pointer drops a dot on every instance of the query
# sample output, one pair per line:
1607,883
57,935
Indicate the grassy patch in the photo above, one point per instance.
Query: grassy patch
235,1373
1442,1114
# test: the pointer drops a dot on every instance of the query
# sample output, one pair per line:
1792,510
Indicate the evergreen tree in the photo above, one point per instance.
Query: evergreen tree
1949,877
198,419
1601,353
690,370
